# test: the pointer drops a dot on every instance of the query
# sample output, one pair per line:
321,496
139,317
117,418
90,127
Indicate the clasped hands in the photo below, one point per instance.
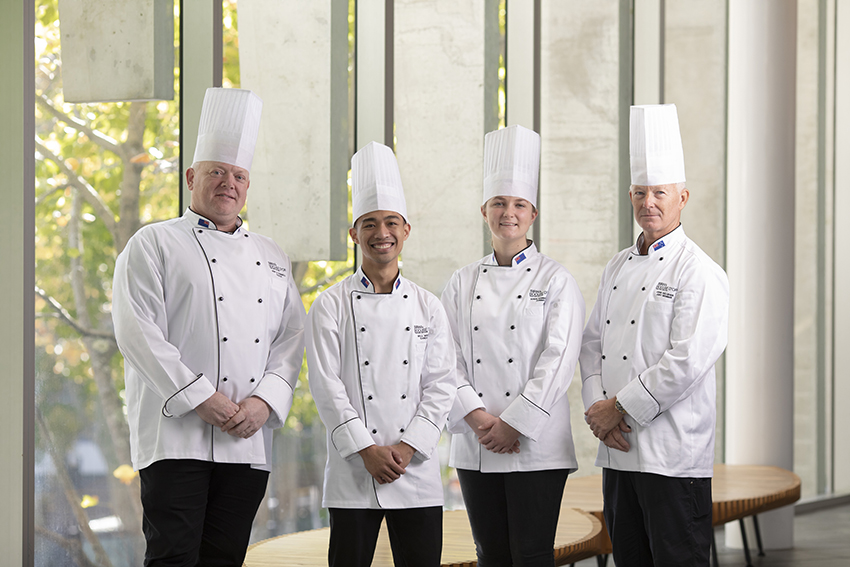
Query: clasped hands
387,463
608,425
493,433
239,420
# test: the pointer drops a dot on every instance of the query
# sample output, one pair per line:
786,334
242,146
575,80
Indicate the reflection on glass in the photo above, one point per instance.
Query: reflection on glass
102,171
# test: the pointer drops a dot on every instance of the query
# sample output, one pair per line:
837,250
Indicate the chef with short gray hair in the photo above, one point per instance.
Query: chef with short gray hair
647,364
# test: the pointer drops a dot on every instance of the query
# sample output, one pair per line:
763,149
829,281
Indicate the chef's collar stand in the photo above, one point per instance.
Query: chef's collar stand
658,248
200,223
365,284
520,259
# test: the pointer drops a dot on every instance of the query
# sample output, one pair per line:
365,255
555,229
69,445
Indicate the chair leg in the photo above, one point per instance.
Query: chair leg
602,560
758,534
714,561
746,547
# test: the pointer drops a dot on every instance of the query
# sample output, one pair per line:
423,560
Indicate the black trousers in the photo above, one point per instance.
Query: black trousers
513,516
656,520
416,536
198,513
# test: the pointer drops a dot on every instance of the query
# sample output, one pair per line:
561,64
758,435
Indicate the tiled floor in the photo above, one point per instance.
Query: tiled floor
821,539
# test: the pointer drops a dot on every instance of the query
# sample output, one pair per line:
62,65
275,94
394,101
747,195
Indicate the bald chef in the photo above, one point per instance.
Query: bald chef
210,324
381,362
647,364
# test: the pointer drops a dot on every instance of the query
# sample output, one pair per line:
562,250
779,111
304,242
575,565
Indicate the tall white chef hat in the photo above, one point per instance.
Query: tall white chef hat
655,145
376,182
230,122
511,163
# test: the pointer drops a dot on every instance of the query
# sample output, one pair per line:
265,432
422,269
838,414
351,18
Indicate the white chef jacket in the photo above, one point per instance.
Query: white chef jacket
196,311
658,327
517,332
381,370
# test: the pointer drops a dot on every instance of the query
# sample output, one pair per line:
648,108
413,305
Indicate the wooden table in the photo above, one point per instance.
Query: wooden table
578,537
737,491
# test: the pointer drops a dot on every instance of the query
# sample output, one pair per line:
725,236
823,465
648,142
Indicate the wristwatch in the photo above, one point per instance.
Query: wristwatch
619,407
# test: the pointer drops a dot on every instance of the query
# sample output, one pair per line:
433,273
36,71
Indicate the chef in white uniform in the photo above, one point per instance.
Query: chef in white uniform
381,369
516,317
647,364
210,324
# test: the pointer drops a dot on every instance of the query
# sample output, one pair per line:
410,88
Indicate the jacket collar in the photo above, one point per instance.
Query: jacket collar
663,244
521,257
198,221
364,284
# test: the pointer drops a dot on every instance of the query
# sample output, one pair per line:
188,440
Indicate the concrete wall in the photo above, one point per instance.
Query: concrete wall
294,55
446,60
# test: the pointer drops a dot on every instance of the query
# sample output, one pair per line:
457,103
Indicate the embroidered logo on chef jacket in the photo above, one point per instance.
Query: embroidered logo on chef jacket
665,291
397,283
538,295
278,270
421,331
203,223
520,258
658,245
365,282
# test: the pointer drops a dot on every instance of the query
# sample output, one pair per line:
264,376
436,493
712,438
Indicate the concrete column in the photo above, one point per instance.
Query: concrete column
298,193
649,53
522,100
814,227
446,63
695,80
17,298
648,61
374,72
581,189
200,68
841,377
760,256
130,43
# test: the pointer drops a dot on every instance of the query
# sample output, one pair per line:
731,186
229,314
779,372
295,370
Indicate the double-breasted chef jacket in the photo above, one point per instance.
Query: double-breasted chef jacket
517,332
381,371
658,326
199,311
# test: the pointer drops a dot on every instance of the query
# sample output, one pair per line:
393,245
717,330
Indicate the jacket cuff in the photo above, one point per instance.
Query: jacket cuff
350,437
423,436
276,392
188,398
638,402
465,401
526,417
592,391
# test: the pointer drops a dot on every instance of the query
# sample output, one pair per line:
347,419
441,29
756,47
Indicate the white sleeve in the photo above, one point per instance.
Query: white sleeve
324,360
590,358
139,318
556,364
698,336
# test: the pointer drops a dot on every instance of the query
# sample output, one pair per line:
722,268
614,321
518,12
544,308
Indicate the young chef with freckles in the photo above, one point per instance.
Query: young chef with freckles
517,318
382,372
